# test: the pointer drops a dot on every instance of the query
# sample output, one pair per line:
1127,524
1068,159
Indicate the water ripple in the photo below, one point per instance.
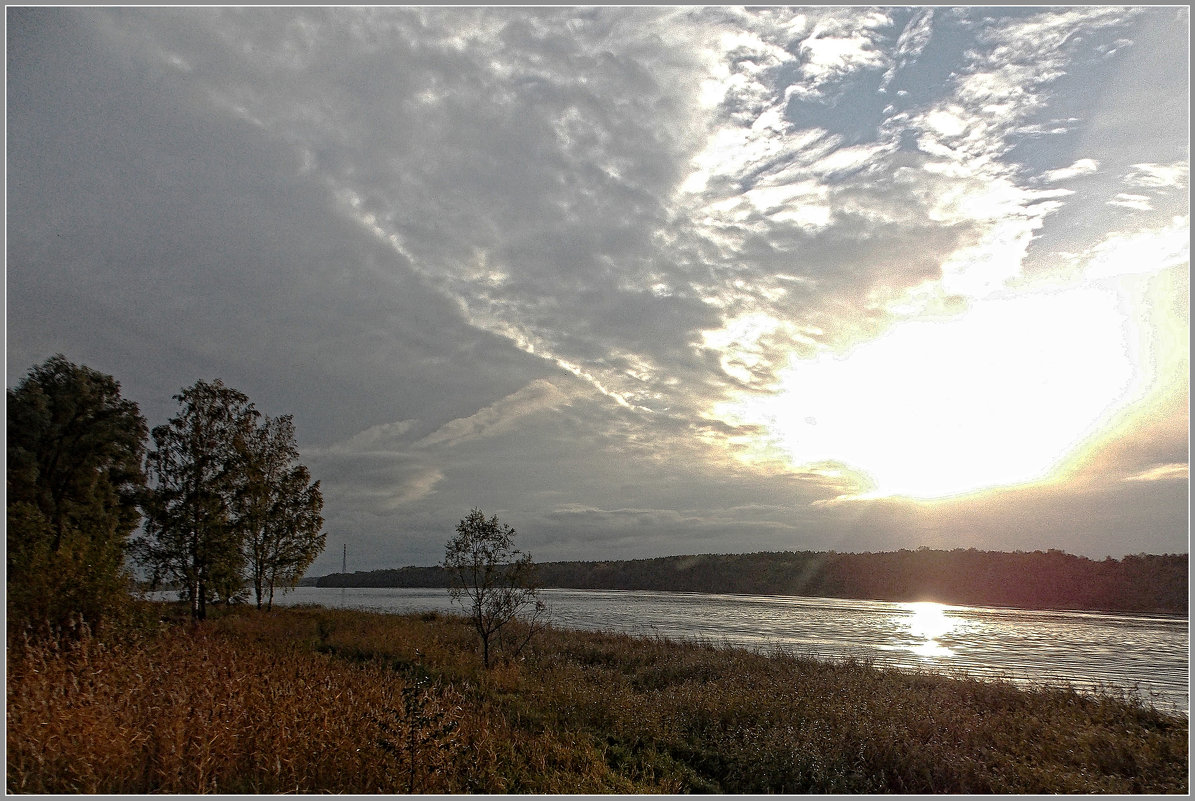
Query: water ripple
1149,654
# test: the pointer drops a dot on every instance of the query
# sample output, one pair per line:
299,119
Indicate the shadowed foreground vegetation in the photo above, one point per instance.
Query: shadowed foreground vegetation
307,699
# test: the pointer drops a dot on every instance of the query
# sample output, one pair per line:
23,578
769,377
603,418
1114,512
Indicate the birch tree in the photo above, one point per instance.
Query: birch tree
278,509
494,581
195,468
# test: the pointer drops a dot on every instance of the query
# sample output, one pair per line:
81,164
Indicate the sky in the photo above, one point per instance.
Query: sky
638,281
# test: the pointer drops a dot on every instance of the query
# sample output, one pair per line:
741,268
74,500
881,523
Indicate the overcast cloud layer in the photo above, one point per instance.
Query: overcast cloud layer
597,270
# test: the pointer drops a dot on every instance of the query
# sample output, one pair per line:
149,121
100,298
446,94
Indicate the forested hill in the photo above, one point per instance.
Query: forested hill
1038,580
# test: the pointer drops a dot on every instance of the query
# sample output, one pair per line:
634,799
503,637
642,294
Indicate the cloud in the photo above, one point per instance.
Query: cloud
1141,251
414,489
648,531
425,230
1165,472
621,518
1078,169
837,47
764,182
912,42
1135,202
377,484
374,471
404,491
1159,176
1151,184
379,439
499,417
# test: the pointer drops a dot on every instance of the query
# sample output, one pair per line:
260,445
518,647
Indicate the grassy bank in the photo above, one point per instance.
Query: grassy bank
318,700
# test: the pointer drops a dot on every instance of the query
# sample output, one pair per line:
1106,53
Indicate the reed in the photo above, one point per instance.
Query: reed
318,700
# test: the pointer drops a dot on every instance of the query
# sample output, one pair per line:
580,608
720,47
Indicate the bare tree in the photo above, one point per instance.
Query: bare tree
493,580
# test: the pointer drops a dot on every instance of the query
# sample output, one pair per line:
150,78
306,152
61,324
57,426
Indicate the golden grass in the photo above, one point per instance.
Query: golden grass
197,712
317,700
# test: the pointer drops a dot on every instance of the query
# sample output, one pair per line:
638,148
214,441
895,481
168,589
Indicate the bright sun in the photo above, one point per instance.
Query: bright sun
998,396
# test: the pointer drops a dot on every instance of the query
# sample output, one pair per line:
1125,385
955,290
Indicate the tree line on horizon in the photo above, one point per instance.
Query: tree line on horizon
217,493
1051,579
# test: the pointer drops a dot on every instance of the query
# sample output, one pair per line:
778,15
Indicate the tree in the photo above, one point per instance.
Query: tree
492,579
277,509
74,473
195,470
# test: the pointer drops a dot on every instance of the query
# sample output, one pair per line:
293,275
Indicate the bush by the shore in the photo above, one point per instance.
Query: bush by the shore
316,700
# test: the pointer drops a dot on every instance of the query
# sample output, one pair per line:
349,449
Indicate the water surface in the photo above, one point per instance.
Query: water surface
1147,653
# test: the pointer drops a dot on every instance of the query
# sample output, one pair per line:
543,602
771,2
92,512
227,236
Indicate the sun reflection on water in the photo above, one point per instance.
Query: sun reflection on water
928,622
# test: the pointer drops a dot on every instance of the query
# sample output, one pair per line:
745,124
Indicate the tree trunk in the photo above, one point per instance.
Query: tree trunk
195,598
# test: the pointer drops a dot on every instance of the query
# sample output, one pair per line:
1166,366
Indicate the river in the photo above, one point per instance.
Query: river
1146,652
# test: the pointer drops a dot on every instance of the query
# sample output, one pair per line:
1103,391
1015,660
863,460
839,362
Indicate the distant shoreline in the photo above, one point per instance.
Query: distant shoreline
1040,580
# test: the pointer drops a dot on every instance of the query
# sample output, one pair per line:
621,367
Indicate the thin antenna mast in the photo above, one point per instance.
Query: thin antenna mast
344,562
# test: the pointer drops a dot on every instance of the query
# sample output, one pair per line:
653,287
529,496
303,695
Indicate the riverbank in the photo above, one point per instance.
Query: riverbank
306,699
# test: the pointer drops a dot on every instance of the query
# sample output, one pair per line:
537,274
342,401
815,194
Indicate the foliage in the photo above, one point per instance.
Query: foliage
491,579
1040,579
420,734
228,497
194,469
73,476
314,700
276,509
410,576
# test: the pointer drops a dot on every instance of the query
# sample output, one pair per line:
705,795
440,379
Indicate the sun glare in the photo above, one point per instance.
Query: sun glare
998,396
927,623
929,620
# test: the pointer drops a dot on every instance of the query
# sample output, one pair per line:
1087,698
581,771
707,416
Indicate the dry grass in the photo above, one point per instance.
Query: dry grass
196,712
316,700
